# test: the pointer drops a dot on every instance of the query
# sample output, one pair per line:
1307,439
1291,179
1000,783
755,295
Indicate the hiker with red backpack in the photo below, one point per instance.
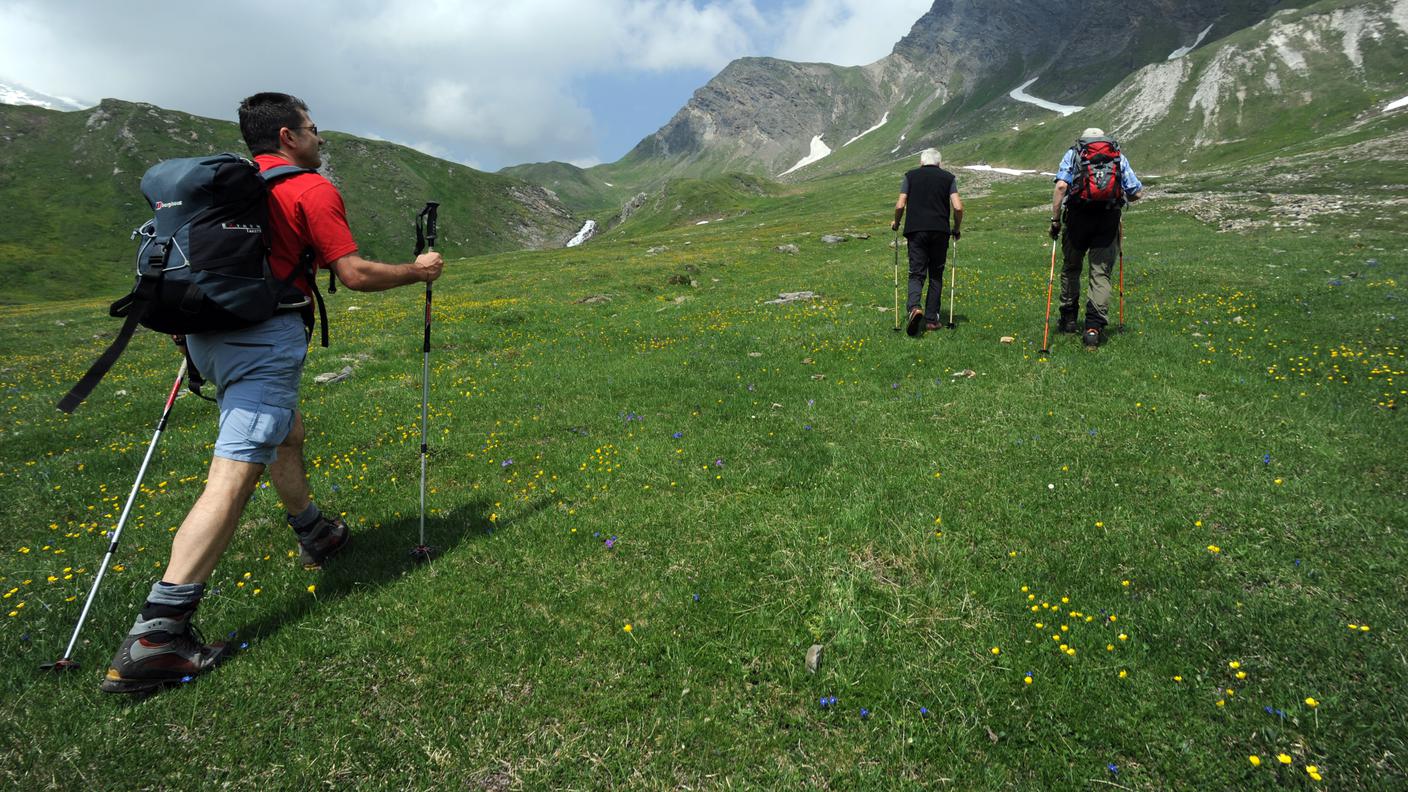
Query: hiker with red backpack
255,368
1093,184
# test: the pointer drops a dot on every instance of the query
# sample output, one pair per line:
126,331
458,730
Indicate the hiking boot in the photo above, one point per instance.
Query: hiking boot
916,320
1067,326
170,651
323,540
1091,338
932,326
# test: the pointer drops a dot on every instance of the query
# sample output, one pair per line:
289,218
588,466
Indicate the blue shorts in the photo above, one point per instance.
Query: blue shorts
255,372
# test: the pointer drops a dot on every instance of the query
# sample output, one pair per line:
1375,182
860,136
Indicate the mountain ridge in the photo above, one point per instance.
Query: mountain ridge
69,188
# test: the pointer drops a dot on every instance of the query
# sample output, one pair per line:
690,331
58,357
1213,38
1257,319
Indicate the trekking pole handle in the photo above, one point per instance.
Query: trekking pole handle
426,223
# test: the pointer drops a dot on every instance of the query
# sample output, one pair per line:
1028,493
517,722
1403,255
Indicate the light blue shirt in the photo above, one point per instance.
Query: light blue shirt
1128,181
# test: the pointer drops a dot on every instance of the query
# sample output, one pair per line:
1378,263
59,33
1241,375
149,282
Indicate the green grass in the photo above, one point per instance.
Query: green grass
1245,406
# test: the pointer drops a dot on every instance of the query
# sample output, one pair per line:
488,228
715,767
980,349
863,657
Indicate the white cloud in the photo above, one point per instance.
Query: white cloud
478,80
848,32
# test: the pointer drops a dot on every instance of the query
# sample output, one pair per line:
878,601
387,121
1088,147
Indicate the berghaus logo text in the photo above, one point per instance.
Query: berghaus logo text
167,204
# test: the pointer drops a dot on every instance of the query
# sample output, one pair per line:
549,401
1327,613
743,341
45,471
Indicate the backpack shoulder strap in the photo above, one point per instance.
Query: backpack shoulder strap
133,306
307,256
282,171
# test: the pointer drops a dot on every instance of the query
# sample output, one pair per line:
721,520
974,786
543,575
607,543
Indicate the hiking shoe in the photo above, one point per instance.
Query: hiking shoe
322,541
172,651
1091,338
1067,326
916,320
932,325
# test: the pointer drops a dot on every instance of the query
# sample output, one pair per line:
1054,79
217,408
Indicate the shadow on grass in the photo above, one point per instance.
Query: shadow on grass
375,557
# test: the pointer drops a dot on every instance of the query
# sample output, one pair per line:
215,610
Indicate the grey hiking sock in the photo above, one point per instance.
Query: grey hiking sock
305,520
167,600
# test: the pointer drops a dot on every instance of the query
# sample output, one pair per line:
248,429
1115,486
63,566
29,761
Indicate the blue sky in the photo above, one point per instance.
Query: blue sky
488,83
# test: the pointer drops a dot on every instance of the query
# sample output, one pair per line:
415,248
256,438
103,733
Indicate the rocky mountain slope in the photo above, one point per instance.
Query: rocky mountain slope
69,195
1301,81
764,116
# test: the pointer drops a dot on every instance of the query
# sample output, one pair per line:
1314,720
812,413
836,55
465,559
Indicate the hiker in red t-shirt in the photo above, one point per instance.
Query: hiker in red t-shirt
256,372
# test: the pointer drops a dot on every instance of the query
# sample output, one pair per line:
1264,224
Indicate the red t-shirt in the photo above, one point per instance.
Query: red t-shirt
305,210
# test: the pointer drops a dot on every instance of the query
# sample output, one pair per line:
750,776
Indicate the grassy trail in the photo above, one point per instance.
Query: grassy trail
1196,512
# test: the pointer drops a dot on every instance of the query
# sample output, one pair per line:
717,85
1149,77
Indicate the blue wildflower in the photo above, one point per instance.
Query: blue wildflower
677,435
506,463
864,713
1113,768
1266,459
923,712
696,597
187,678
719,462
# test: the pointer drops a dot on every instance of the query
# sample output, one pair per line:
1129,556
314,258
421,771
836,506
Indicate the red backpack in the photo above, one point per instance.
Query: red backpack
1097,172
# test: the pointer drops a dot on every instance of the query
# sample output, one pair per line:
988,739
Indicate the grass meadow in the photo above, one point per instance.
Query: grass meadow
1134,568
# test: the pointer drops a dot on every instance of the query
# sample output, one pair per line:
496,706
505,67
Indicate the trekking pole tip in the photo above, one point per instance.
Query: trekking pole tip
60,665
422,553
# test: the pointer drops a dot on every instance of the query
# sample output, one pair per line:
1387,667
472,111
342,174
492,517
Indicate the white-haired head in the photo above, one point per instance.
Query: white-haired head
930,156
1093,132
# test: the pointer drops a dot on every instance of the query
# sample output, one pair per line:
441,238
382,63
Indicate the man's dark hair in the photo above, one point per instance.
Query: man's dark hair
263,115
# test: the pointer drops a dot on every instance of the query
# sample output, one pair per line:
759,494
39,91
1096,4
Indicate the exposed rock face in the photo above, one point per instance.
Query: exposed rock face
760,114
751,116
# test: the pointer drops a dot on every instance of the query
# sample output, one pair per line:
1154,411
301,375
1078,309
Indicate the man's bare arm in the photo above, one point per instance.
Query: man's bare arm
359,274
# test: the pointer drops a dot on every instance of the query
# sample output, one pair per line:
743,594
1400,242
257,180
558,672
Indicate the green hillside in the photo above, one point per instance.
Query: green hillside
1139,565
587,192
70,197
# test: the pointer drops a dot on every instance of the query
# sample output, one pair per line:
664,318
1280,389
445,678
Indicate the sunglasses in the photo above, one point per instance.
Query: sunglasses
313,128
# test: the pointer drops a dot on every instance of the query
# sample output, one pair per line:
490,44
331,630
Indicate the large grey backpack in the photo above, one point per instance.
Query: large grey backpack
203,258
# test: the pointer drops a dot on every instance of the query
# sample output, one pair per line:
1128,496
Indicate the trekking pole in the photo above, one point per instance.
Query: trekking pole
896,246
67,662
425,239
1121,274
952,282
1050,277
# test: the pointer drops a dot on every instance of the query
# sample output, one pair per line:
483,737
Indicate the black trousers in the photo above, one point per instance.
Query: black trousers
1094,233
928,250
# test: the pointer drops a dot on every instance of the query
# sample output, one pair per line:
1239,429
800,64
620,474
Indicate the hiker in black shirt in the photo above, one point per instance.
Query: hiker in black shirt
929,193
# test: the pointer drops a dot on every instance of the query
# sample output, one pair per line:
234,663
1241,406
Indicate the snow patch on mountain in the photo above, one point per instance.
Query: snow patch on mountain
1020,94
991,169
819,151
883,119
1397,104
1181,51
